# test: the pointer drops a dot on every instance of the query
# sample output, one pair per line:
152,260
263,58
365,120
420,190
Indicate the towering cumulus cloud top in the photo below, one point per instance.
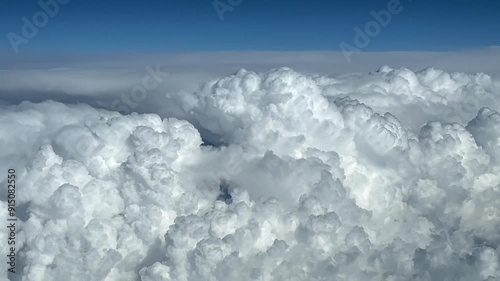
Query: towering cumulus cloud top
391,175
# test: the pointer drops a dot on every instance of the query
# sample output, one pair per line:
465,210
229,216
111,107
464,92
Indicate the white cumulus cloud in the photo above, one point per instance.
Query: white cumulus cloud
279,175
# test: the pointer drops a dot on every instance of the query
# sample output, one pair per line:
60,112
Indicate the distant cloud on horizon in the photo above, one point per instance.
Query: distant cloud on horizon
35,77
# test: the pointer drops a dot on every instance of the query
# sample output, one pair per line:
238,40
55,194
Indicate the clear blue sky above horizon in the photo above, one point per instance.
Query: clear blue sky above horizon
193,25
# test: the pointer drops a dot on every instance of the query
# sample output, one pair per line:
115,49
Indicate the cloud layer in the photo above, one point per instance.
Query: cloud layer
389,175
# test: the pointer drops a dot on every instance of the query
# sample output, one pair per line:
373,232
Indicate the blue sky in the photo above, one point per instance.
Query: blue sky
156,26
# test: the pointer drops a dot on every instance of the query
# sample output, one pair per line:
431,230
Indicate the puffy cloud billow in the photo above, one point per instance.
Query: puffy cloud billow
391,175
